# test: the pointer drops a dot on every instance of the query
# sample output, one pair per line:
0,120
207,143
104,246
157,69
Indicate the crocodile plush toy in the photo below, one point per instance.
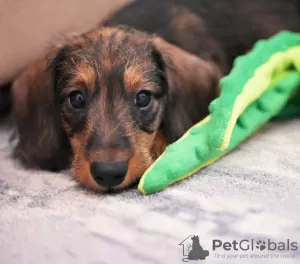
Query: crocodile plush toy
262,85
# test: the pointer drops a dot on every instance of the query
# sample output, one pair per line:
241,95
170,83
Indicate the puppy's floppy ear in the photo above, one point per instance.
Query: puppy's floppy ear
191,84
42,142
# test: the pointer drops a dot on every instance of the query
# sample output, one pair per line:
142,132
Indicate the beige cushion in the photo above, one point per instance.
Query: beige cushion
28,27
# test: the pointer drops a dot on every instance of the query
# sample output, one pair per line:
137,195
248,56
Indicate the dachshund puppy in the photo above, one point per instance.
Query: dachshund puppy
108,102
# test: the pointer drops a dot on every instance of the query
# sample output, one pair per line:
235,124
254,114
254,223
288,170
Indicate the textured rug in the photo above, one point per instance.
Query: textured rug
241,208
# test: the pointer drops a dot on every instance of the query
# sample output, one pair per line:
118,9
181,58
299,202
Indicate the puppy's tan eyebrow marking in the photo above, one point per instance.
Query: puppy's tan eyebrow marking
133,78
136,77
84,74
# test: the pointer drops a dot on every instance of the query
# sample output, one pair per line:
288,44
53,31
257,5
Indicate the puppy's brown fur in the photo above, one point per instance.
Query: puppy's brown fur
178,57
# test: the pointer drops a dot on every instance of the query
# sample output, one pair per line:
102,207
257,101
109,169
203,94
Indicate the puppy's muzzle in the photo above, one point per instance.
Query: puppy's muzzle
109,174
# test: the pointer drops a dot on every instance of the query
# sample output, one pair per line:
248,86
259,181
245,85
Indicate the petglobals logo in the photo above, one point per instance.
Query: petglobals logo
195,249
253,248
192,249
246,245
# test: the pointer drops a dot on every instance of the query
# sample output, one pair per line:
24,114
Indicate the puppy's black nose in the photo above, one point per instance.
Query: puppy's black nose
109,174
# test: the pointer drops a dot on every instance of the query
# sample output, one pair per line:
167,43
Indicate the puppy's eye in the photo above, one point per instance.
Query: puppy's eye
143,99
77,99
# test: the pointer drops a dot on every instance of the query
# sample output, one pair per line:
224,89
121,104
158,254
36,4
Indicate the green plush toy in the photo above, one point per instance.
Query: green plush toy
262,85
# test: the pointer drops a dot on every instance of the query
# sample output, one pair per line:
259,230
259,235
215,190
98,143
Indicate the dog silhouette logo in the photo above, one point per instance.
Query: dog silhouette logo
192,249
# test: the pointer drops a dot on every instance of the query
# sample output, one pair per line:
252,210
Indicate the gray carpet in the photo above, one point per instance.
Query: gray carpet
253,193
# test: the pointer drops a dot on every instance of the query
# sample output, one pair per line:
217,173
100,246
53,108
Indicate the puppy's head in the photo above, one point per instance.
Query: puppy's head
108,103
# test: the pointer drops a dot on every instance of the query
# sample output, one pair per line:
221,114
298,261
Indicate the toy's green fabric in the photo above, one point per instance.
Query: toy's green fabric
262,85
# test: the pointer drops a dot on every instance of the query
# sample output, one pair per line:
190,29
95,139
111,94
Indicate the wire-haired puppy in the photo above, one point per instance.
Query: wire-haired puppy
108,102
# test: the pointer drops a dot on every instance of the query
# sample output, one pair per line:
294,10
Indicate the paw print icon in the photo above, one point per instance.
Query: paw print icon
261,245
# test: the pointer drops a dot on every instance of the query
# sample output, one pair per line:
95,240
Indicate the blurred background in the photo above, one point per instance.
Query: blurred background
28,26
